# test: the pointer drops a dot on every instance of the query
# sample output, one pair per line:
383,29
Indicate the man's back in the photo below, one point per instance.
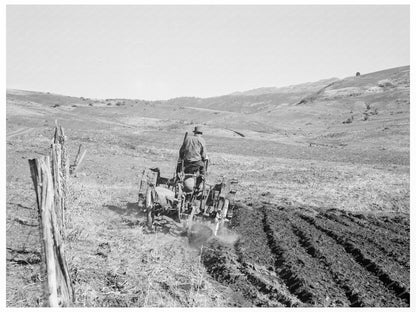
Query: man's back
193,149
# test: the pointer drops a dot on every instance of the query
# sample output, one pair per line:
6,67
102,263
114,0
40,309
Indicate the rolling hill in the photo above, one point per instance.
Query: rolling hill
369,112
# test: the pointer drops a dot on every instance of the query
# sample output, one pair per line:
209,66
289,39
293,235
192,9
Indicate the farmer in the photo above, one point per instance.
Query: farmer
193,153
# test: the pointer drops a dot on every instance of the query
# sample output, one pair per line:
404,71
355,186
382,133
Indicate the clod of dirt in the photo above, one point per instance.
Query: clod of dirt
115,281
103,250
222,264
220,261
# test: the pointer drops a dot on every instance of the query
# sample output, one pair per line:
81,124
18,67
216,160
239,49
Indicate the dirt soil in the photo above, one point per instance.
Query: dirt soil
298,256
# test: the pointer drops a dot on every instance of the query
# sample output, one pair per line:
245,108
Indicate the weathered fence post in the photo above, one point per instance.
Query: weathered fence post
63,166
42,182
57,182
50,176
57,283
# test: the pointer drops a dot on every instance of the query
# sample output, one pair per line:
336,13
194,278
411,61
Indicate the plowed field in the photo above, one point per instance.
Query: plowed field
288,256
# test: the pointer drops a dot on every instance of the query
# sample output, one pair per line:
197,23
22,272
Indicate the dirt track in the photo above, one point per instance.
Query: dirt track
18,132
289,256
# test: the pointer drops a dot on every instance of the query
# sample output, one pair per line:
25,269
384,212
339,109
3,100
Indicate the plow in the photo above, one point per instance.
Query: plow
187,197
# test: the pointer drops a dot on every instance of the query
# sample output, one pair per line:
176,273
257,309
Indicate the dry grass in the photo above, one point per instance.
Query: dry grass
114,263
318,183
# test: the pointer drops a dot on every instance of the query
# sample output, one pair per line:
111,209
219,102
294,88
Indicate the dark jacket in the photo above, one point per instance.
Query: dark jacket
193,149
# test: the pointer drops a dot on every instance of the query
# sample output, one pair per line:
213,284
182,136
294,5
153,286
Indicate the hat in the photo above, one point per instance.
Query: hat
198,129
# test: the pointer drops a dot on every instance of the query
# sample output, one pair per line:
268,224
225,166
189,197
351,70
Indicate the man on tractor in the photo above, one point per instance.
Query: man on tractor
193,154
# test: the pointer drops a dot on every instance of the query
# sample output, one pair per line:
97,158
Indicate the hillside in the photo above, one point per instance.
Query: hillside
368,112
299,88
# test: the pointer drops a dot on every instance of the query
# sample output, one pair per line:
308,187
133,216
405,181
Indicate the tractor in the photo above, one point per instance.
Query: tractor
181,197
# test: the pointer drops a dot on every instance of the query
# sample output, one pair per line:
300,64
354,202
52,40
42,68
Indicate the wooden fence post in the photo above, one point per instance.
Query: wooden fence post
57,182
65,168
60,138
58,287
42,179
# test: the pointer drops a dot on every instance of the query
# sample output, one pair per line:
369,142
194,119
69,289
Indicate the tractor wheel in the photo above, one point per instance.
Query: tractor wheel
149,207
223,206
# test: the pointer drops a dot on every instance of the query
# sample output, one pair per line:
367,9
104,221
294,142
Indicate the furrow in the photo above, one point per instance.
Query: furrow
355,299
396,251
303,274
393,228
269,288
360,257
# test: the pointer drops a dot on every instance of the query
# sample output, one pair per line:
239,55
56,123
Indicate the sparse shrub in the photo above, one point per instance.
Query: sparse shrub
349,120
374,112
75,234
385,83
303,101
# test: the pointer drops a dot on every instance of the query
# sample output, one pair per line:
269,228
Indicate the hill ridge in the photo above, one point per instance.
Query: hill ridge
251,92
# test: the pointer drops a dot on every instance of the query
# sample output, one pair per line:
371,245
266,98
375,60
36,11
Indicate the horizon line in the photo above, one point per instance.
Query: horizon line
198,97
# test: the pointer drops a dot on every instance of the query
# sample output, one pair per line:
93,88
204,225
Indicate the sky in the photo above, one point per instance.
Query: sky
162,52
